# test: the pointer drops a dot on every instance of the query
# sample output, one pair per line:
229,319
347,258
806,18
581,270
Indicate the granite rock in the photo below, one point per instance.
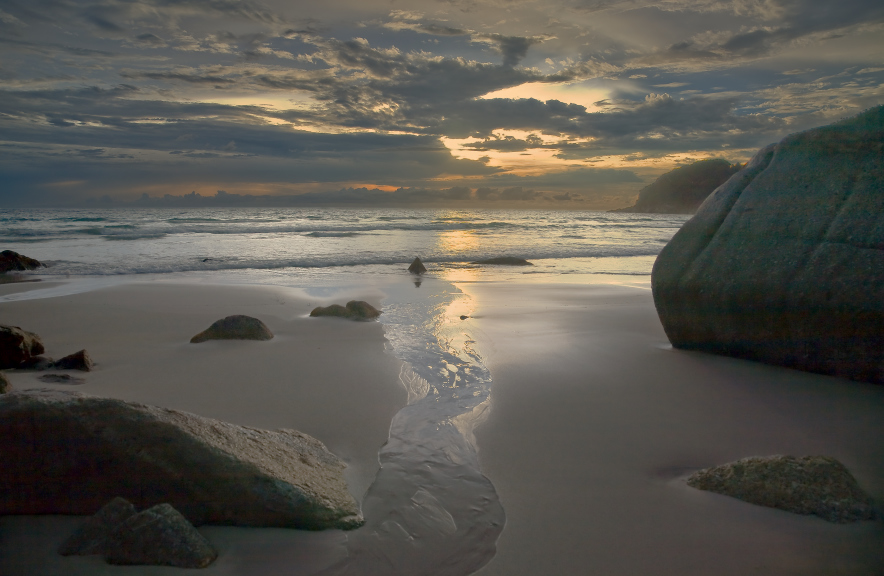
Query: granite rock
91,537
18,346
158,536
817,485
76,361
211,471
784,263
236,327
10,260
354,310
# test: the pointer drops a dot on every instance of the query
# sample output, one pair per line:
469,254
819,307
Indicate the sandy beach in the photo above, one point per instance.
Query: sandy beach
595,421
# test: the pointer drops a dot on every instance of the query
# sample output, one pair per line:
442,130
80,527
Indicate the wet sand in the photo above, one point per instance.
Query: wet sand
595,422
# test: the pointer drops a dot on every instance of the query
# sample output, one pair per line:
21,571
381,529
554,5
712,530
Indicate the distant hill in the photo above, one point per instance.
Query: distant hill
681,191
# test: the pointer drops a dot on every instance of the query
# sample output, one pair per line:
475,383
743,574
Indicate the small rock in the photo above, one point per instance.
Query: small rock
91,537
817,485
36,363
10,260
61,379
17,346
236,327
417,267
76,361
158,536
355,310
505,261
5,385
464,317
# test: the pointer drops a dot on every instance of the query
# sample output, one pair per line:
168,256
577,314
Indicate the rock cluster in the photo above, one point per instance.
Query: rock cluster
785,262
211,471
10,260
237,327
354,310
158,536
817,485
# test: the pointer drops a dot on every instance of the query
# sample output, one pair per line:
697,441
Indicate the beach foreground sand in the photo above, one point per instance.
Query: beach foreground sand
594,424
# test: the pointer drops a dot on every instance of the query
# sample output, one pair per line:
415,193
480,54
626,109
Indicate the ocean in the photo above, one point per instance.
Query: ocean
430,480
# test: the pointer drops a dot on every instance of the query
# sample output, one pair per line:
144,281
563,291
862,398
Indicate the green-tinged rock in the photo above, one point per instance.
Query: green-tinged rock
236,327
354,310
817,485
68,453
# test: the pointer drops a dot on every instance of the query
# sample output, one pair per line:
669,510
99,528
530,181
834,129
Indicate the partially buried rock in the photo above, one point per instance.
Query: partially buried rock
37,363
10,260
5,385
236,327
76,361
61,379
354,310
417,267
17,346
68,453
817,485
159,536
505,261
91,537
784,263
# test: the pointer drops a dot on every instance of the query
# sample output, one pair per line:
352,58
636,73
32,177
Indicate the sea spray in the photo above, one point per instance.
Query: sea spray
430,509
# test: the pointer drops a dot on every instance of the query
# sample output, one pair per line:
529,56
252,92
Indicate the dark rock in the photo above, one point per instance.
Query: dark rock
91,537
17,346
785,262
681,191
417,267
76,361
68,453
235,328
159,536
817,485
355,310
5,384
463,317
37,363
61,379
10,260
505,261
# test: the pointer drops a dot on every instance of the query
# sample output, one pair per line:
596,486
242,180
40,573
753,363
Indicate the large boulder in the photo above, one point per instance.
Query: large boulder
10,260
237,327
354,310
784,263
69,453
817,485
18,346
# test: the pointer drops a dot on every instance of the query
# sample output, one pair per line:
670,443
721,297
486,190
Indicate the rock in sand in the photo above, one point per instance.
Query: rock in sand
417,267
817,485
91,537
354,310
18,346
5,385
68,453
61,379
784,263
236,327
76,361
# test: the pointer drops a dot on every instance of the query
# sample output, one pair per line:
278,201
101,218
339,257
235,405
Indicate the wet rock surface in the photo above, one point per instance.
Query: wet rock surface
417,267
10,261
354,310
76,361
784,263
237,327
817,485
211,471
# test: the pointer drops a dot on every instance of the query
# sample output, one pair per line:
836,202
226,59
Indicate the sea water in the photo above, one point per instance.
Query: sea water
430,510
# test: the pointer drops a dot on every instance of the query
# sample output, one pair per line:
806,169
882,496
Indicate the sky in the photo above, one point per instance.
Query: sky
534,103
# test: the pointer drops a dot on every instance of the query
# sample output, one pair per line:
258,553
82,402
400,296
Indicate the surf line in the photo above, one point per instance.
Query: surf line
430,511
